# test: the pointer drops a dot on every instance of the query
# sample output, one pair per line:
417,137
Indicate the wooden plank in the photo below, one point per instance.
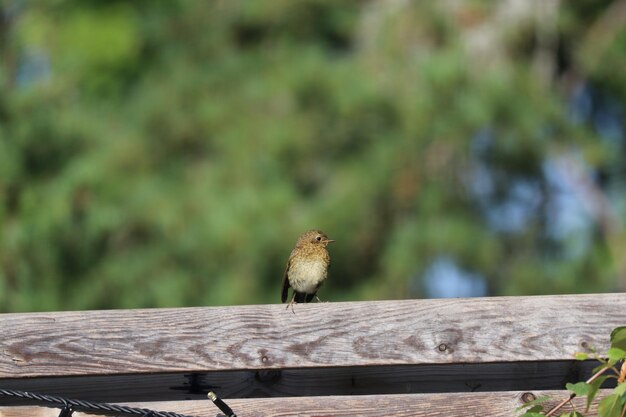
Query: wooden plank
405,332
509,376
501,404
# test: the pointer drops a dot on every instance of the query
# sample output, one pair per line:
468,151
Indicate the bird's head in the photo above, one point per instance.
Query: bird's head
315,237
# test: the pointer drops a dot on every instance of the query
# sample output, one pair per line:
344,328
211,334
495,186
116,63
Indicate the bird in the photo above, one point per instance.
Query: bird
307,267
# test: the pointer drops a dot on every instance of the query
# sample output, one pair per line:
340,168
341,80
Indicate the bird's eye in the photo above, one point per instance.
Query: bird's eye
318,238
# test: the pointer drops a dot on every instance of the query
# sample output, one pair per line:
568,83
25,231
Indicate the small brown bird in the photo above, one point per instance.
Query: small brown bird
307,267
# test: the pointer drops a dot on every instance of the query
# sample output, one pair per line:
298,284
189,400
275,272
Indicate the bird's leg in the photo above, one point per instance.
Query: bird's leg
291,303
318,299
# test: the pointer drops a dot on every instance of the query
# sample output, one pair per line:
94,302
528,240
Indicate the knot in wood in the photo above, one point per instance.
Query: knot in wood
528,397
442,347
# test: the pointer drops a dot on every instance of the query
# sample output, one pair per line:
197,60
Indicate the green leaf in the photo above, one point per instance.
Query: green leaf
616,354
595,386
533,415
536,401
610,406
571,414
581,356
535,409
581,389
620,389
618,338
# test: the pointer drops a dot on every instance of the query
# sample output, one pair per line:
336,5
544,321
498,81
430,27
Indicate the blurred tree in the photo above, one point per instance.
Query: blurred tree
168,153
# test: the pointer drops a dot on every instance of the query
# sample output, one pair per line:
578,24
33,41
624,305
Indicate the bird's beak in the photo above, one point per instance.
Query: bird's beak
327,241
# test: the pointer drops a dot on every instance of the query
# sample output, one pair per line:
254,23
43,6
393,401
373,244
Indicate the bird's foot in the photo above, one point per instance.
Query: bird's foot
291,304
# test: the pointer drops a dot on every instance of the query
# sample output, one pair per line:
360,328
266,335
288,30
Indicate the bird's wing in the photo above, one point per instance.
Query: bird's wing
286,285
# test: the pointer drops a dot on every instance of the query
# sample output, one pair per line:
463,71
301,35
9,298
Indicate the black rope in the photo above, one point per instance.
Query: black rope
94,408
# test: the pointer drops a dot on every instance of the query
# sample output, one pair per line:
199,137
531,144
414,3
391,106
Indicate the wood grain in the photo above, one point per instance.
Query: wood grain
406,332
501,404
396,379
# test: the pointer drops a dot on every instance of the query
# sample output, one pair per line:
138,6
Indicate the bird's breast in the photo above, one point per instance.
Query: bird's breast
305,275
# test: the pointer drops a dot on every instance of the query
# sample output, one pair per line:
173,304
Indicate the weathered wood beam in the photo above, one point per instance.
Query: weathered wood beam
406,332
500,404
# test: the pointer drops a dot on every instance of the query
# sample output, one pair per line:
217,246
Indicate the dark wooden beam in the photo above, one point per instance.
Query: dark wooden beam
512,376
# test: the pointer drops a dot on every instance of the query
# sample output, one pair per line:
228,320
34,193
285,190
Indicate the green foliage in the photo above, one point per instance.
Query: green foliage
593,390
618,338
581,389
168,153
615,354
612,405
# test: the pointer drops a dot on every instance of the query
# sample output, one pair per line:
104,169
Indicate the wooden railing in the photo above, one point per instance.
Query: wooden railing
453,357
